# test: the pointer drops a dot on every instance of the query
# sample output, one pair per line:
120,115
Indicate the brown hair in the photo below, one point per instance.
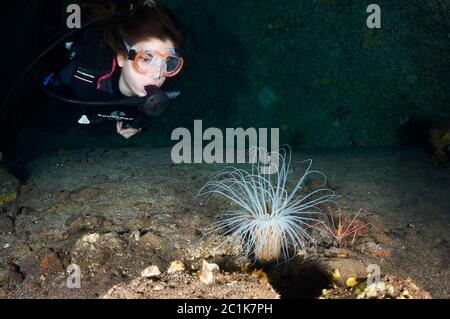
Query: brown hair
136,24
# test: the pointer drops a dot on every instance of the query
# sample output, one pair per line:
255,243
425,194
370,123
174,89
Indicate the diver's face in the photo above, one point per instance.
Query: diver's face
132,82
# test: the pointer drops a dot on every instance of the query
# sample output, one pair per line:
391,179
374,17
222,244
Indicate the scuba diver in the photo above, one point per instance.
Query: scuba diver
131,54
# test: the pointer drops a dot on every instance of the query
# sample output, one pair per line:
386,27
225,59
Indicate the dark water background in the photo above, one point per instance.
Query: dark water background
311,68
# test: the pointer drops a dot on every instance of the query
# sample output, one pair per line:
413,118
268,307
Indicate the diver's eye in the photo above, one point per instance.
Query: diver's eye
147,58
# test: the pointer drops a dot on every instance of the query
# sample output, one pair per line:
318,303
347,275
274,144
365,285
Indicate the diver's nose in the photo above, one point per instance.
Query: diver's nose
156,67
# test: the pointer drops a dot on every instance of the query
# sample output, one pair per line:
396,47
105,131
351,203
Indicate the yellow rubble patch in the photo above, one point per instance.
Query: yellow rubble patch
351,282
335,275
4,198
259,273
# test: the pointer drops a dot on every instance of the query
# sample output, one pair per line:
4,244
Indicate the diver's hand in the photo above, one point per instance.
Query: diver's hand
128,132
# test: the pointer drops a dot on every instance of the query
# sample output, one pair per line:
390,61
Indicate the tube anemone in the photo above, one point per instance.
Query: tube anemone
272,221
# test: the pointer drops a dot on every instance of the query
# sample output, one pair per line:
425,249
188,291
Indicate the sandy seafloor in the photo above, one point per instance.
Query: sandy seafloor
121,195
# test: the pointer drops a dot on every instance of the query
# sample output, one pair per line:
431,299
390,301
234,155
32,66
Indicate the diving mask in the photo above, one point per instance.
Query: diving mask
168,64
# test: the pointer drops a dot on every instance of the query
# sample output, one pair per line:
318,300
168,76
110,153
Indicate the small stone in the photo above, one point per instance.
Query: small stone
158,288
207,272
91,238
136,235
391,290
211,267
152,271
176,266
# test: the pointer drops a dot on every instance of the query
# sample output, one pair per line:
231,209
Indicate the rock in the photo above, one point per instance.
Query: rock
187,286
158,288
348,267
6,224
207,278
207,272
350,282
8,182
91,238
176,266
390,287
84,223
209,267
51,264
9,192
152,271
84,194
136,235
159,246
100,254
152,239
211,247
10,276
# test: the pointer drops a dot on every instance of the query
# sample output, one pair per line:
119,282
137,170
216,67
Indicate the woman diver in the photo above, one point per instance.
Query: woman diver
123,57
